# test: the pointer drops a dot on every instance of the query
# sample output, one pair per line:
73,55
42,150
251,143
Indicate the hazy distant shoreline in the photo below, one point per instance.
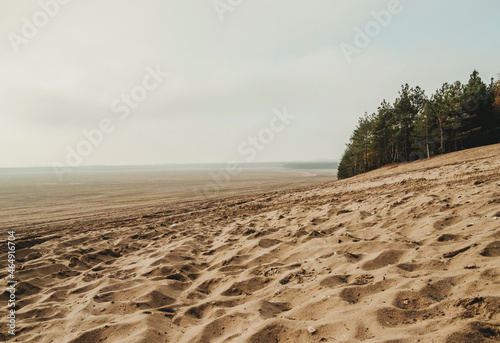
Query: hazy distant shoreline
326,165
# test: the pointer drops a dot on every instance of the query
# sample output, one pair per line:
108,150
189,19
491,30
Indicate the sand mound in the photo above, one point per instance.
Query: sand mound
406,253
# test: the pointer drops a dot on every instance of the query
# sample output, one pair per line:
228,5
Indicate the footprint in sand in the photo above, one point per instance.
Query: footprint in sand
385,259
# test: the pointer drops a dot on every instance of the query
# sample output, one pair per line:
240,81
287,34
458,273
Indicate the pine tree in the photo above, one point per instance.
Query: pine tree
496,94
477,111
424,133
406,108
384,131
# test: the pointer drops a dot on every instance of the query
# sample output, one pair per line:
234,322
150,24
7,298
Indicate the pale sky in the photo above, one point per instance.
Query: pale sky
65,64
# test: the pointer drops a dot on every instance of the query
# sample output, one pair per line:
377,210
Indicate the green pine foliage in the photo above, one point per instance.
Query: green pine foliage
457,116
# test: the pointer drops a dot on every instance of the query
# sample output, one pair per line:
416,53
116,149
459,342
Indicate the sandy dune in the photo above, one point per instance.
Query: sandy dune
407,253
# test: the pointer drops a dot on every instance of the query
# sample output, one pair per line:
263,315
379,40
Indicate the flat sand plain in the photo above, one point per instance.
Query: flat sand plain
30,200
406,253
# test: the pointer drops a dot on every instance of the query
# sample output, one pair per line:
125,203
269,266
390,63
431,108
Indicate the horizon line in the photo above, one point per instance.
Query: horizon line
178,164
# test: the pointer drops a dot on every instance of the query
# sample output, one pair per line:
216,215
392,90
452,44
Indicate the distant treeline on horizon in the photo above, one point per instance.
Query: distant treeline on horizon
456,117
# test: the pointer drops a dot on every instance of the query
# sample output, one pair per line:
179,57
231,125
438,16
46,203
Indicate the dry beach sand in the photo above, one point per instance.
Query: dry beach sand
407,253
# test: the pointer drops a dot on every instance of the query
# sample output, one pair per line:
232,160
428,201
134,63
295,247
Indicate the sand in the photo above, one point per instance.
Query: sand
407,253
32,200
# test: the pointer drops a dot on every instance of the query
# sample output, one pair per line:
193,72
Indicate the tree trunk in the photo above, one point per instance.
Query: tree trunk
442,140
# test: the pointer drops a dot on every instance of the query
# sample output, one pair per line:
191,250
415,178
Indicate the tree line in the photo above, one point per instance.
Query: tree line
457,116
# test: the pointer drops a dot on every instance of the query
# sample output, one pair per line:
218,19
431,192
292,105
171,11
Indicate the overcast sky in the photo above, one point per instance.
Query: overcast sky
66,65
